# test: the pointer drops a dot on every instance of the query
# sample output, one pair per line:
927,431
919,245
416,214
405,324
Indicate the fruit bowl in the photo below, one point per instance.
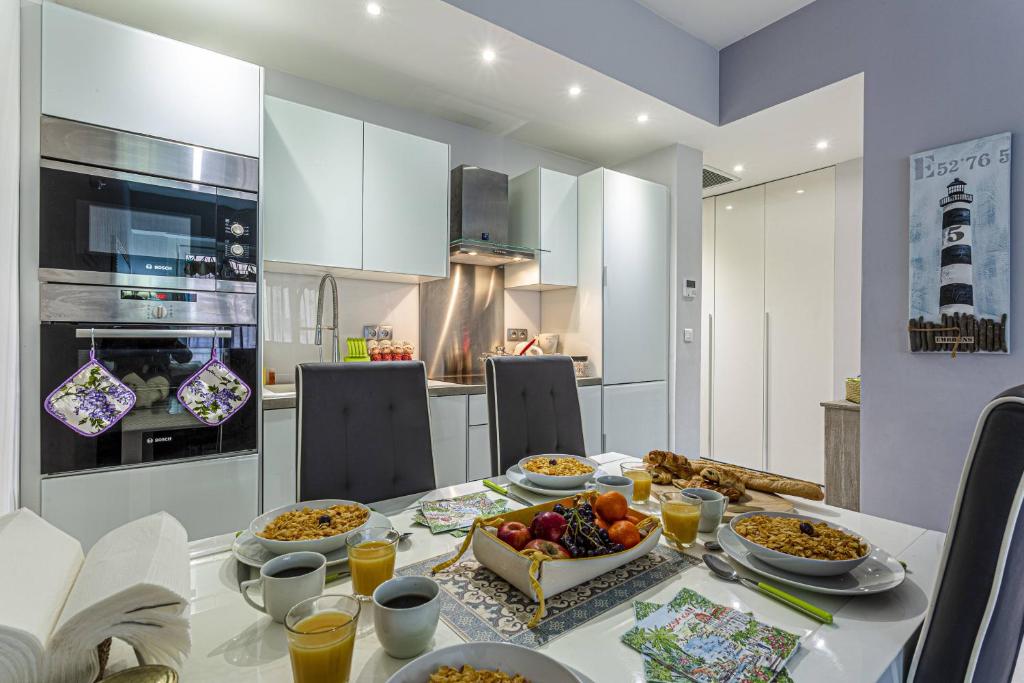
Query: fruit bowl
559,481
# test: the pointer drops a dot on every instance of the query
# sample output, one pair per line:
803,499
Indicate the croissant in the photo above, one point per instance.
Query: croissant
677,465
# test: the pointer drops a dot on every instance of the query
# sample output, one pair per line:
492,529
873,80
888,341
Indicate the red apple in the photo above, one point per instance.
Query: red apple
548,526
553,550
515,534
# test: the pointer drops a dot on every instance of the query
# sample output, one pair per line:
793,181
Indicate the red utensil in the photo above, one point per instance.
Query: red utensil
527,347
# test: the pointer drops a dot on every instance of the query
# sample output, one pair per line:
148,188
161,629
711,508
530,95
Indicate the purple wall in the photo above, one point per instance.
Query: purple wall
936,72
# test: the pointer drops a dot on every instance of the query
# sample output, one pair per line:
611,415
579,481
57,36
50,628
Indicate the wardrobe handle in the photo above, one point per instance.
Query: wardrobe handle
767,379
711,384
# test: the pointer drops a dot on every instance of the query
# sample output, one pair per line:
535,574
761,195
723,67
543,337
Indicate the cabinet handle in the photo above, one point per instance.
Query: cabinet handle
711,385
767,377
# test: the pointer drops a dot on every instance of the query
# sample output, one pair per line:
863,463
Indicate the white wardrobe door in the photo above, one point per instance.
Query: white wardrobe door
636,290
799,283
737,389
707,309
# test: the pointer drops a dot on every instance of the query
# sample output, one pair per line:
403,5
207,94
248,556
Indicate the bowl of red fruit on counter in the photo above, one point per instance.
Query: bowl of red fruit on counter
576,539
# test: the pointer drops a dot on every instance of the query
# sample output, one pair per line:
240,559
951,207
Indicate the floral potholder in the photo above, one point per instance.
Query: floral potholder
214,393
91,401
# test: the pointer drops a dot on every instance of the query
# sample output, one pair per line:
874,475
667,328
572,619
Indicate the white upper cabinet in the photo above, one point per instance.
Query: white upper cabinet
542,214
312,186
99,72
405,203
636,288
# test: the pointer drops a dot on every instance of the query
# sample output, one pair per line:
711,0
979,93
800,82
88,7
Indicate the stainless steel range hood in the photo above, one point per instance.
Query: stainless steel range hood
479,219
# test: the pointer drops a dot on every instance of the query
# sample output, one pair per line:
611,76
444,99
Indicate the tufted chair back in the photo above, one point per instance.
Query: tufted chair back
363,431
533,408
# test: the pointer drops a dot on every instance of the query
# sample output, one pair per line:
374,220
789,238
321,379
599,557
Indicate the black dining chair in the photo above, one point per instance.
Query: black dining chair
363,431
975,623
533,408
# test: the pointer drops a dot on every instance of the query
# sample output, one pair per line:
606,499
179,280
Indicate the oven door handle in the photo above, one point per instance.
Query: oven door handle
165,333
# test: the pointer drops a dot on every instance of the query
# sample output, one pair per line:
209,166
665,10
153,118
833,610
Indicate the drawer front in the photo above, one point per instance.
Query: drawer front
478,409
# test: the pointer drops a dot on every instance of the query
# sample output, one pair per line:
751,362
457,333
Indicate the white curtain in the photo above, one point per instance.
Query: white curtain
9,171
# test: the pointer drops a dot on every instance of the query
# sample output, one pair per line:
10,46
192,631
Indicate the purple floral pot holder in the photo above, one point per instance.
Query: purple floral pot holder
91,401
214,393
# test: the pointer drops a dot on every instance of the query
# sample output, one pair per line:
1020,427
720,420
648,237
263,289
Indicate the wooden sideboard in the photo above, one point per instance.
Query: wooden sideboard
842,454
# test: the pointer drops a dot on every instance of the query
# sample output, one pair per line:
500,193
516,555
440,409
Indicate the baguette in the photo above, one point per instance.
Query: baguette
768,483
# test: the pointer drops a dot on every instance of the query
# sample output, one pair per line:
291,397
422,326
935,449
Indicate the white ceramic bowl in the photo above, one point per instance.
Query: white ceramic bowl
552,481
512,659
319,545
792,563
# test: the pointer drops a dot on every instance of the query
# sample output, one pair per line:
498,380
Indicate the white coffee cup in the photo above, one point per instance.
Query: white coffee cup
405,632
286,581
712,507
613,482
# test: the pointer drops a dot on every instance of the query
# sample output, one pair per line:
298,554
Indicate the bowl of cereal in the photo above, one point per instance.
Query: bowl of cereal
558,471
484,662
318,526
799,543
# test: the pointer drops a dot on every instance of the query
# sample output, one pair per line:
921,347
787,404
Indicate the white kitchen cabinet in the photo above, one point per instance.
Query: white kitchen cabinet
635,418
636,286
737,353
449,425
590,412
103,73
799,299
478,409
405,203
542,214
312,186
278,458
208,497
479,453
707,313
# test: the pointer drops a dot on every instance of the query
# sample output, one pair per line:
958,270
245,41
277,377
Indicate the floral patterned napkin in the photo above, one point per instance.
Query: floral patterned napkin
711,643
91,401
452,514
214,393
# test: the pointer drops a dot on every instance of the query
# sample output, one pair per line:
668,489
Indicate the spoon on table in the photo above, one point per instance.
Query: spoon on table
726,571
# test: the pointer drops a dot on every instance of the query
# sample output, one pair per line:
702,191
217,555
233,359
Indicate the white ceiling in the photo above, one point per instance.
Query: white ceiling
722,22
425,55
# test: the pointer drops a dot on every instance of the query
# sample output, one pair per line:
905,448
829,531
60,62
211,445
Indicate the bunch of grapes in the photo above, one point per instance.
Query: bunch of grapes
583,537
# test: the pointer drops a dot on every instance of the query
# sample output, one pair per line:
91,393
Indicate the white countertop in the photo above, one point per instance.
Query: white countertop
233,642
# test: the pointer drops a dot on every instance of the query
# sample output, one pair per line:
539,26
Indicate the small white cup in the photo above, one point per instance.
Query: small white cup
406,632
613,482
281,593
712,507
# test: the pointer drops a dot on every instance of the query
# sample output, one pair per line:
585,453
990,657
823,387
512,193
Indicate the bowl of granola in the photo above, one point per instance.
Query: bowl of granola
799,543
484,663
318,526
558,471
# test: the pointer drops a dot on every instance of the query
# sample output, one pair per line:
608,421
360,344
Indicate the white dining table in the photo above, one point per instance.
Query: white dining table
870,640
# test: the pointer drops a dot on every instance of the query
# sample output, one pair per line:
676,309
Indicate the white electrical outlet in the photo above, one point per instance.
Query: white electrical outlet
385,332
369,332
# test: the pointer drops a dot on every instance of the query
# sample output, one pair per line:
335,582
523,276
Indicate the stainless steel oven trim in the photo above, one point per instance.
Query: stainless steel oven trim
167,333
130,177
82,304
91,277
238,194
116,149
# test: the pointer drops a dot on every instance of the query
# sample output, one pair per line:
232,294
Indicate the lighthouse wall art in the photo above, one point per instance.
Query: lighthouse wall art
960,247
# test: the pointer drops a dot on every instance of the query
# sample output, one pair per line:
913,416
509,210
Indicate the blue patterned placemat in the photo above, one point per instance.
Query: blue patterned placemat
479,605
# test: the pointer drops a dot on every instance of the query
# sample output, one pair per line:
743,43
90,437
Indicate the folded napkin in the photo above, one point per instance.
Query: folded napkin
456,514
694,639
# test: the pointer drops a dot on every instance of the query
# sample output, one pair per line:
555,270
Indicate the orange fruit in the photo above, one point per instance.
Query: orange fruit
600,522
634,517
625,533
612,506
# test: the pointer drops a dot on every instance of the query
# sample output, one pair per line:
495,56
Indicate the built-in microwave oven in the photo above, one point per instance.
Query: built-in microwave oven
118,208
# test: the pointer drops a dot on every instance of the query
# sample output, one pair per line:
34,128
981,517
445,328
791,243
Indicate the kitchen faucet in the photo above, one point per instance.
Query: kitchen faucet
318,338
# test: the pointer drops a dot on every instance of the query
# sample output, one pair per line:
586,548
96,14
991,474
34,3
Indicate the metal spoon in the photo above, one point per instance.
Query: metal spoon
726,571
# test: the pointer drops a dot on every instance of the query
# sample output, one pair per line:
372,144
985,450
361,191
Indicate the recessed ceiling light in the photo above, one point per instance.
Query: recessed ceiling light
373,9
728,207
642,118
799,191
738,168
575,91
822,144
489,55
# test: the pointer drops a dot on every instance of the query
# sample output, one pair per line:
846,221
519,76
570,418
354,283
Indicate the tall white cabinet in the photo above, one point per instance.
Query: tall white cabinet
768,300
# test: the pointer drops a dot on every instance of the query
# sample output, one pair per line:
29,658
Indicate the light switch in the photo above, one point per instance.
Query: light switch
687,334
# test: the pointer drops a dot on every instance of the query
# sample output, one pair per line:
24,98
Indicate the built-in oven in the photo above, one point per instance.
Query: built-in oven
152,339
123,209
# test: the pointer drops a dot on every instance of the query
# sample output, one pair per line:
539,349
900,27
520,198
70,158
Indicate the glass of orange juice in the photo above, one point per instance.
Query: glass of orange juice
680,514
371,559
642,480
321,638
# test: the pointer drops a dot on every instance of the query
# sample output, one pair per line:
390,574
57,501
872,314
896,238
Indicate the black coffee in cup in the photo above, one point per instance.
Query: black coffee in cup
406,601
291,572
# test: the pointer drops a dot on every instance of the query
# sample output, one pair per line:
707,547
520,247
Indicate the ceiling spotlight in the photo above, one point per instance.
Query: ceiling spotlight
728,207
643,118
799,191
489,55
822,144
575,91
373,9
738,168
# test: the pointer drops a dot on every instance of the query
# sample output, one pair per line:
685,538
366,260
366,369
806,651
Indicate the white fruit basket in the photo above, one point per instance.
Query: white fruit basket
536,575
